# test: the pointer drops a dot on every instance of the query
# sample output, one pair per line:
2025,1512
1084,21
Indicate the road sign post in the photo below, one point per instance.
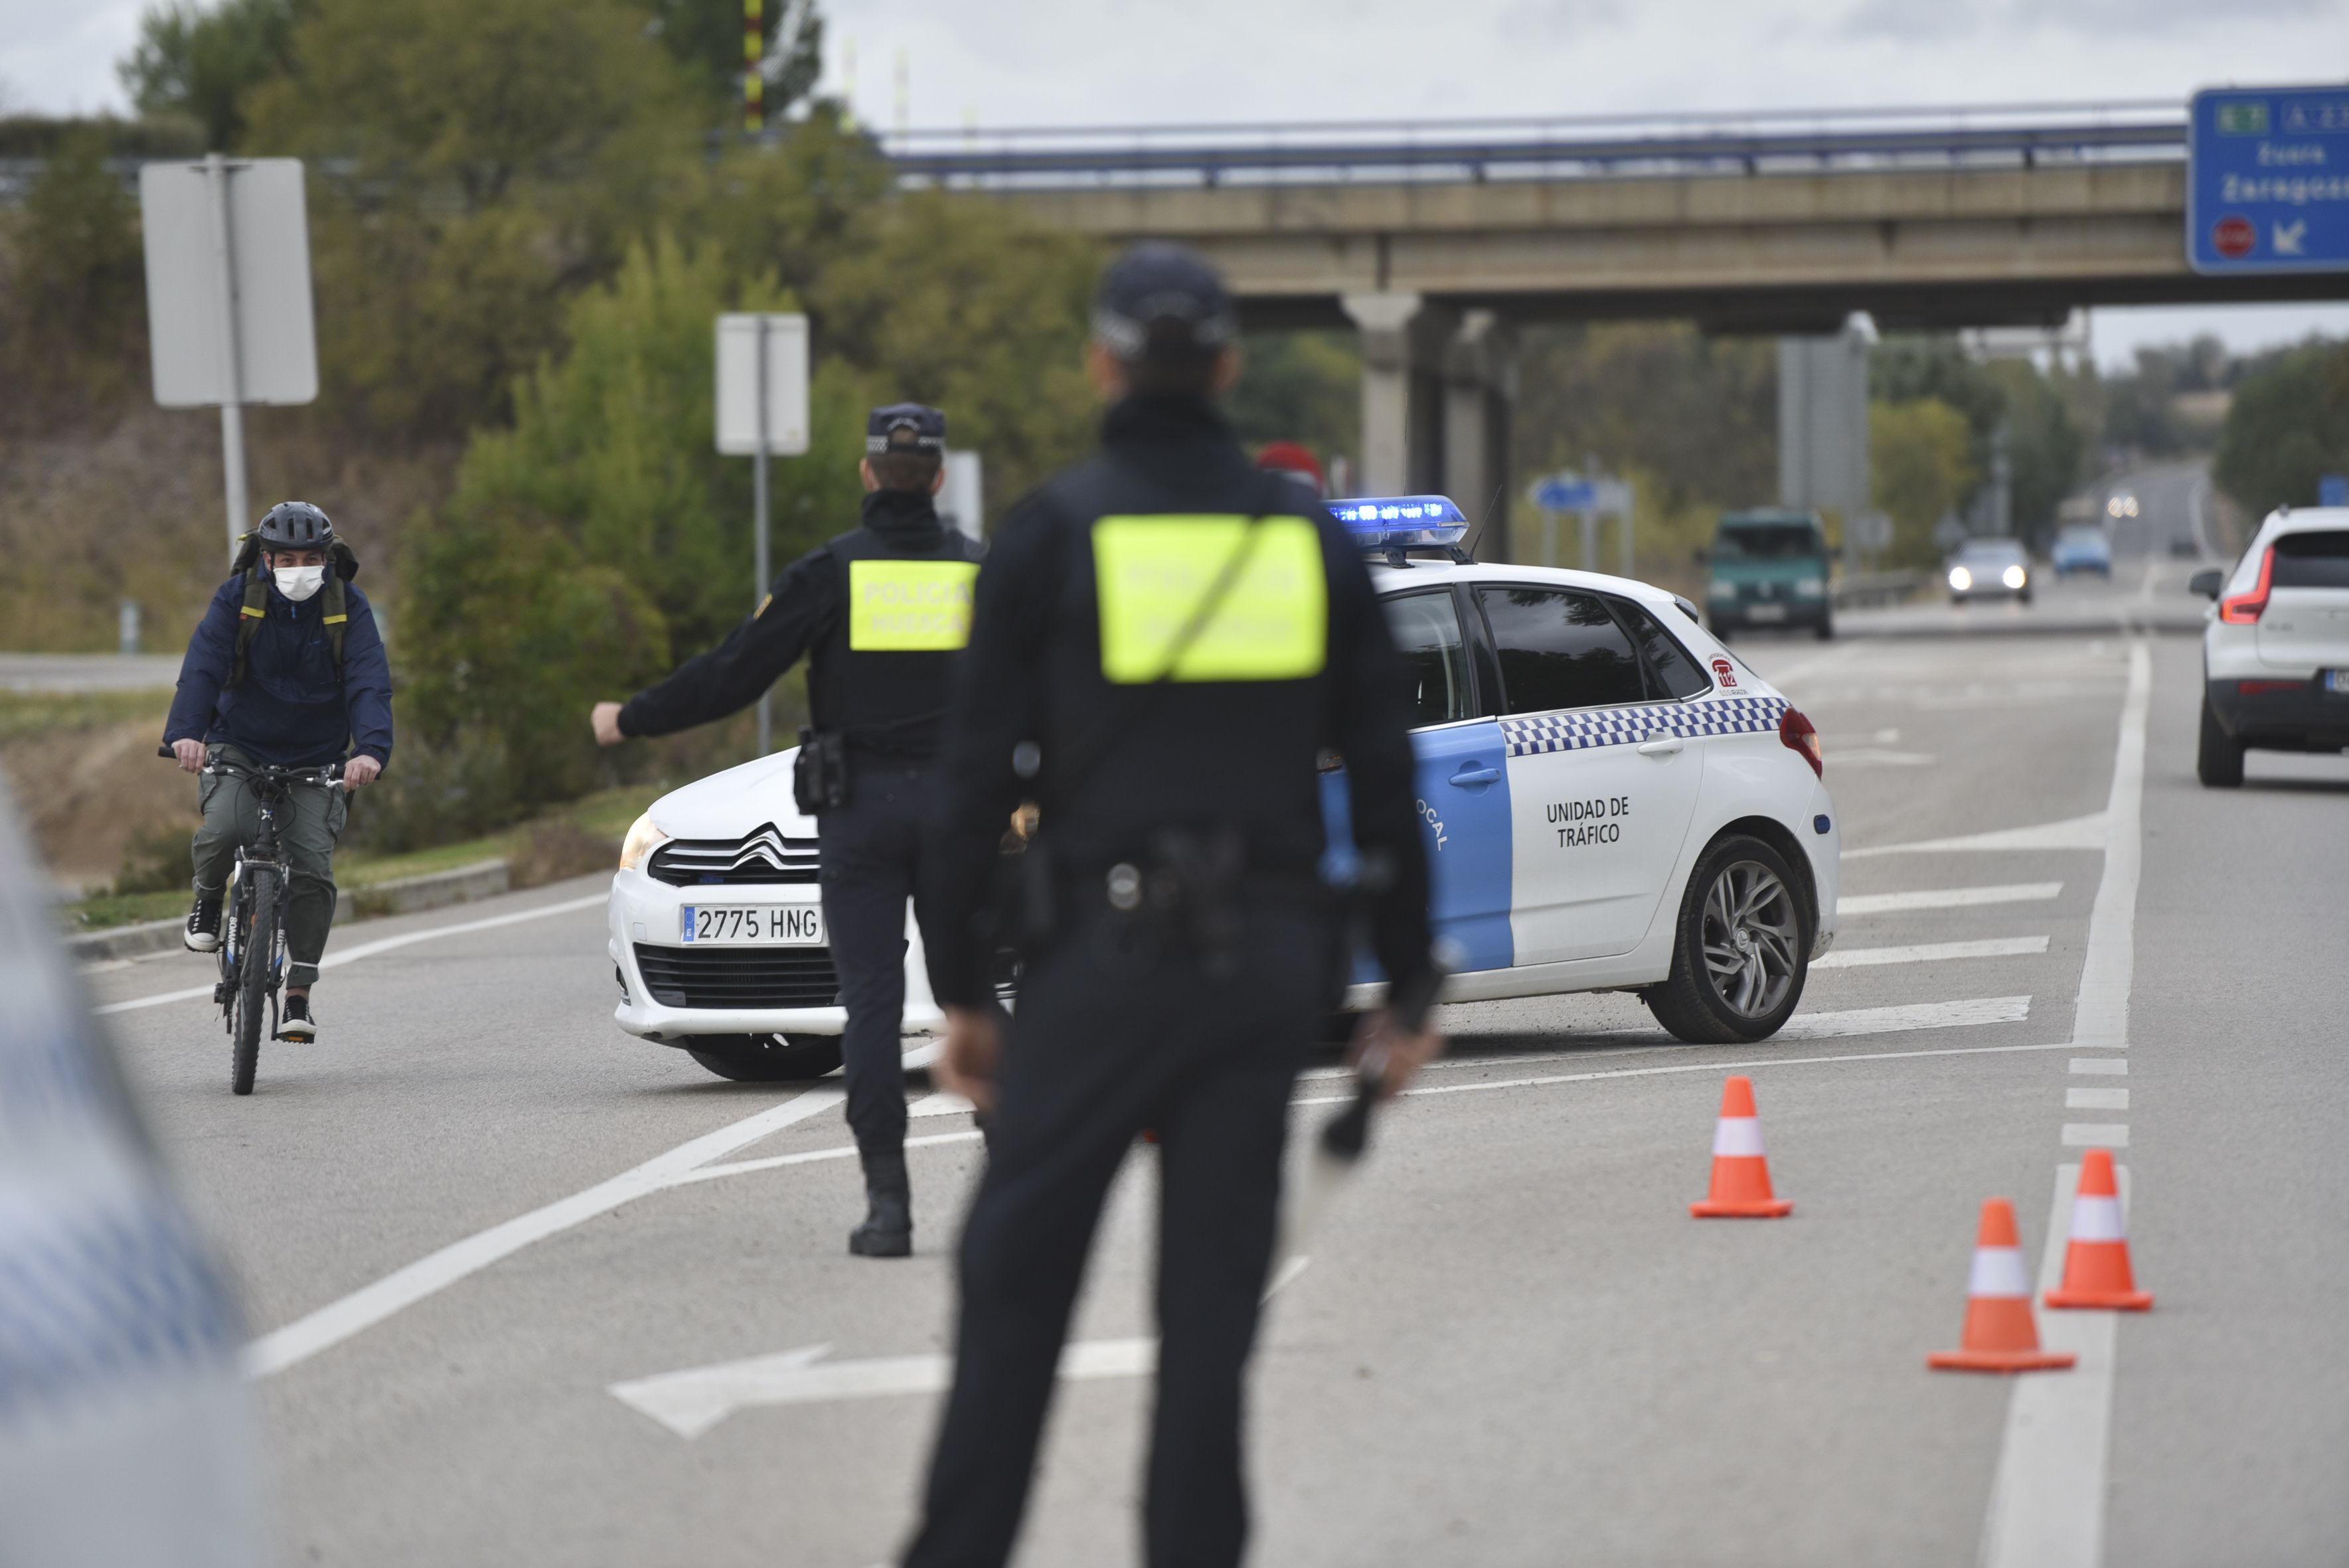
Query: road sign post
763,408
2267,186
228,295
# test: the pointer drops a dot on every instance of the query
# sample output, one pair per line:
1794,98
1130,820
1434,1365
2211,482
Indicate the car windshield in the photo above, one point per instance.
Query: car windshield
1768,541
2087,534
1999,551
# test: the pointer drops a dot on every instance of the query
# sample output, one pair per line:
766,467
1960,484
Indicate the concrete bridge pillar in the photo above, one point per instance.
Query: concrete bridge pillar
1404,340
1480,387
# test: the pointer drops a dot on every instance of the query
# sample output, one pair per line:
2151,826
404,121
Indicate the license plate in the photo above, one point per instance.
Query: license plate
1765,612
2336,680
751,926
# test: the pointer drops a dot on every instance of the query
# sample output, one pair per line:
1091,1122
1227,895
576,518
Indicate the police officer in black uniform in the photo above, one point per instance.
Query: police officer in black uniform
882,613
1166,640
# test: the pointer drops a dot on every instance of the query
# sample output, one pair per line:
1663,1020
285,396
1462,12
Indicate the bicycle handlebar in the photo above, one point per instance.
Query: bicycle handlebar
331,773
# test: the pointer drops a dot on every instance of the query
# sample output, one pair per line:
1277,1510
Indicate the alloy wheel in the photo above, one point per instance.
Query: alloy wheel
1750,937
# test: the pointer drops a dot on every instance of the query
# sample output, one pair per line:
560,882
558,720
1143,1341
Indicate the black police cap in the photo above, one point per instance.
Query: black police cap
1161,300
905,427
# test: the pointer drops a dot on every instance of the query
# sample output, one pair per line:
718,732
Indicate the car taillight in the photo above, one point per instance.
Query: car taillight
2244,608
1800,735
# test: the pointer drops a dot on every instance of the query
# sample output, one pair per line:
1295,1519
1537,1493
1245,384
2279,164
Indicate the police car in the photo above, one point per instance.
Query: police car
1609,799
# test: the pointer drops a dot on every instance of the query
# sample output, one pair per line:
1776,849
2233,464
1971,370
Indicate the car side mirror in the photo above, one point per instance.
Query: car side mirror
2206,583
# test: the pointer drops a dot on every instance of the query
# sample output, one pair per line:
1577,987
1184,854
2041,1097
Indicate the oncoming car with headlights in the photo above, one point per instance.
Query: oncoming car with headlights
1609,798
1989,568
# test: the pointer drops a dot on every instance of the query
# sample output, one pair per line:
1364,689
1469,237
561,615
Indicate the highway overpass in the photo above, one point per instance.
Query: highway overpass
1436,239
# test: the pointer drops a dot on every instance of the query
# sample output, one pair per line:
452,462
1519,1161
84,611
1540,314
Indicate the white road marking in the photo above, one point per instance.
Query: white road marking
1947,898
1706,1067
690,1402
1912,1015
382,945
2058,1427
1929,953
1877,756
436,1271
2076,833
2116,1066
2047,1503
810,1157
938,1104
2096,1100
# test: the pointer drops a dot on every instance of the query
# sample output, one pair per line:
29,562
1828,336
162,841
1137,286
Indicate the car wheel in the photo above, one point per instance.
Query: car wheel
766,1058
1826,628
2219,758
1742,949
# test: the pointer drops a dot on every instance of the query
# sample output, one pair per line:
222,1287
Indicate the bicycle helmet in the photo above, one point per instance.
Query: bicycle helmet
296,525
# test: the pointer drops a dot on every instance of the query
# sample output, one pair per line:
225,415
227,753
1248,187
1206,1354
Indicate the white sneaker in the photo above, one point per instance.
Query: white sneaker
204,925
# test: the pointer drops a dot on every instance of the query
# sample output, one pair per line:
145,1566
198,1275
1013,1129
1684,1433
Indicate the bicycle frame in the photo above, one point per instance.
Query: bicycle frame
273,792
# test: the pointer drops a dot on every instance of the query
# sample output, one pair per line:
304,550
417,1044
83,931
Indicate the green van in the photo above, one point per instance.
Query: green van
1769,569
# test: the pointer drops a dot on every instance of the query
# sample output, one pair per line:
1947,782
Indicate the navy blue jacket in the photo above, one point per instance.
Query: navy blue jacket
292,710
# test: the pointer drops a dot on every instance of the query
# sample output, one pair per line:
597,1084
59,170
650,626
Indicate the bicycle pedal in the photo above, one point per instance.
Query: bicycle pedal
220,995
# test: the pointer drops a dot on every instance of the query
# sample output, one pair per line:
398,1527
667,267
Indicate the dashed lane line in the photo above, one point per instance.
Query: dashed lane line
2047,1500
1947,898
1929,953
381,945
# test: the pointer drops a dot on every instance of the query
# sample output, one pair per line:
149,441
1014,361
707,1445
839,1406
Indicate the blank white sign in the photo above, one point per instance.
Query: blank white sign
738,384
269,247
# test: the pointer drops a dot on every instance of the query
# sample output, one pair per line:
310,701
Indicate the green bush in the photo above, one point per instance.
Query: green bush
2288,423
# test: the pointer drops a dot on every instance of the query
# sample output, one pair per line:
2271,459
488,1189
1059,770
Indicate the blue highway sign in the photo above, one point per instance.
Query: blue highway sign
2268,185
1564,492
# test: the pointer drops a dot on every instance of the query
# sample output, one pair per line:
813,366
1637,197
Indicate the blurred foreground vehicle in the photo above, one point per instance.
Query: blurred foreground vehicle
1769,569
125,1436
2082,548
2275,647
1989,568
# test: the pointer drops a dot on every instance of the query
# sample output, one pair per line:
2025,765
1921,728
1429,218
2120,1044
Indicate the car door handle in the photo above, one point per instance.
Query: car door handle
1476,776
1663,745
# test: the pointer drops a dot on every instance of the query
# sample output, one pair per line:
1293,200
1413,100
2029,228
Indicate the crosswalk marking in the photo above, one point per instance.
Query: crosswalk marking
1930,951
1947,898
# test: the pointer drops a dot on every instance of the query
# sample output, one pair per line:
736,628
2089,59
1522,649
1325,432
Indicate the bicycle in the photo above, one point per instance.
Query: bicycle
252,926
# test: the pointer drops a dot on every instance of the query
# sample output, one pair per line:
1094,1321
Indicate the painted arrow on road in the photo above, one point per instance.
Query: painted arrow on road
690,1402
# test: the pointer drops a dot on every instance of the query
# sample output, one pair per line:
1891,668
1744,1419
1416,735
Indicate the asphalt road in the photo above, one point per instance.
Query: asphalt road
475,1208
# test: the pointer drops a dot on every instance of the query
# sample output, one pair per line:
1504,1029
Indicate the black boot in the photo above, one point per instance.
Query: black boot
888,1228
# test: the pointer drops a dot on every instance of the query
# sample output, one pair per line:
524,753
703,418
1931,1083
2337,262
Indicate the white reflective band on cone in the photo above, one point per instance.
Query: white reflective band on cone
1737,1135
1998,1270
2096,1218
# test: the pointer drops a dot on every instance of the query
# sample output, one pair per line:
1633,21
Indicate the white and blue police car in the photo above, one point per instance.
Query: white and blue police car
1610,800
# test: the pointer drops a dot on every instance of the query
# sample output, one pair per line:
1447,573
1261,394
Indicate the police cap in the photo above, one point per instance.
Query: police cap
1161,301
904,428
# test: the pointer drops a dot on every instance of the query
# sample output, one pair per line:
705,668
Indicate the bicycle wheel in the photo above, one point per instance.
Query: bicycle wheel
259,946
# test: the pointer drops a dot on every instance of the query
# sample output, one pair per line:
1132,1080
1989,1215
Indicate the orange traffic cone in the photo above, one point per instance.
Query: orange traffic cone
2001,1335
1740,1176
2097,1260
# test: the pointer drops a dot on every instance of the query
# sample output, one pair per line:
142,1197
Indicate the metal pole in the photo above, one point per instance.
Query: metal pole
1627,540
216,172
762,569
1590,539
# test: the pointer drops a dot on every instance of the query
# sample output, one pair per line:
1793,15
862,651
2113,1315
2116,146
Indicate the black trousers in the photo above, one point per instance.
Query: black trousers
875,858
1115,1033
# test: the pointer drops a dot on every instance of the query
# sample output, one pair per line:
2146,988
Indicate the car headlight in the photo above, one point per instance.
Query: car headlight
1810,587
1960,579
643,838
1720,588
2012,577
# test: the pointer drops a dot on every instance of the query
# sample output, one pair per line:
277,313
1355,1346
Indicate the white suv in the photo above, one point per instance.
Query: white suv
2275,650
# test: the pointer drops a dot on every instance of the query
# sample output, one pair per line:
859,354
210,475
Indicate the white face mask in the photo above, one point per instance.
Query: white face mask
298,583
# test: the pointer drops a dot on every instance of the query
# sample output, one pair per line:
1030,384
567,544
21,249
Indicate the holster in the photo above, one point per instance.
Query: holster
820,773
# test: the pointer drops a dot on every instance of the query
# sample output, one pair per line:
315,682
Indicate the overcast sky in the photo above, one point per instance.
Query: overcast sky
1121,62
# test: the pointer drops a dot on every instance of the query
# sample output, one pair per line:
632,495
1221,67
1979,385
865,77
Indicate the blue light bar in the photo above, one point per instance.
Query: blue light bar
1401,522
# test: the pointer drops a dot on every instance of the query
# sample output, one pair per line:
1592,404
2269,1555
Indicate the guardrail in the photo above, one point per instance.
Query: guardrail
1768,142
1874,589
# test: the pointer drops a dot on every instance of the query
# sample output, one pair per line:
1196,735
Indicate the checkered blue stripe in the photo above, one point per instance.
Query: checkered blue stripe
1583,731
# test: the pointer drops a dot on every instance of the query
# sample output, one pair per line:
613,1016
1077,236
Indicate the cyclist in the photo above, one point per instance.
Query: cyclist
287,670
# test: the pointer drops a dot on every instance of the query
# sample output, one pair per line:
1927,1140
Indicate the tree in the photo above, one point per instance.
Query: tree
201,63
2045,445
2288,423
1302,386
72,311
1920,469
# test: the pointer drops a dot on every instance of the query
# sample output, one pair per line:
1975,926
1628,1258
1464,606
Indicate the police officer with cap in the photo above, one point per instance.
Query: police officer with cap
1167,641
881,613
